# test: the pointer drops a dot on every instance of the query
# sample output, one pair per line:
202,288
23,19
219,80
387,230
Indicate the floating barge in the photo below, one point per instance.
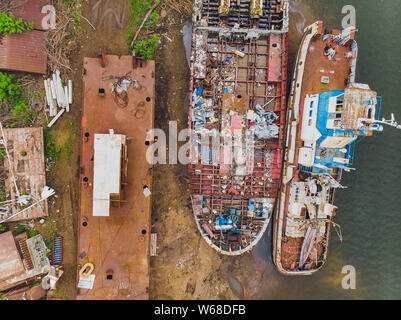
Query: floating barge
328,114
238,94
25,176
114,218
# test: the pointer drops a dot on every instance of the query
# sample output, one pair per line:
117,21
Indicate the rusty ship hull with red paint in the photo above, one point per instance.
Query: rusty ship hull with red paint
328,114
237,113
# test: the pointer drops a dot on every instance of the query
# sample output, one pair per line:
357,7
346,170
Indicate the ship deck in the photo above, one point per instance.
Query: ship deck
232,78
118,245
316,65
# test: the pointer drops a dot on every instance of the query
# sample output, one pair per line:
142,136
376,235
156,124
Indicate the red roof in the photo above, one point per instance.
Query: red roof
24,52
30,11
10,260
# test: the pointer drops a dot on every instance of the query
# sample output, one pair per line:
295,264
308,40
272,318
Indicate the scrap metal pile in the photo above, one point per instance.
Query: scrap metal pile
237,110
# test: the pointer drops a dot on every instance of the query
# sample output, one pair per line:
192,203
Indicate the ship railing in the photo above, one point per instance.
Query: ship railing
316,171
354,47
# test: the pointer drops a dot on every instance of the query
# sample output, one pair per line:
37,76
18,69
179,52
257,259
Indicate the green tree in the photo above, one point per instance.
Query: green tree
10,25
8,87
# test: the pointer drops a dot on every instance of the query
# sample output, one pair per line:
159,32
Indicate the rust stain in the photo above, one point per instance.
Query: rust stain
24,52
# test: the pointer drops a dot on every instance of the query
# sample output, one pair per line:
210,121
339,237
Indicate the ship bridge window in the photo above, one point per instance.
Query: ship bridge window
340,103
370,112
296,193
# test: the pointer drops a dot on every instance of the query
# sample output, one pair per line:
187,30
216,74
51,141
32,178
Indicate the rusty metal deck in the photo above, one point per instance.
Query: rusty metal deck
117,245
237,76
308,76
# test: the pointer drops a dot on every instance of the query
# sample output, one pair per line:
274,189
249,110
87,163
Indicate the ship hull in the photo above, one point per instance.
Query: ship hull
288,243
235,78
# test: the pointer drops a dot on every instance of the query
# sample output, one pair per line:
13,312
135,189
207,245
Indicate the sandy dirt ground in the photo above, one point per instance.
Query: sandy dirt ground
186,267
64,175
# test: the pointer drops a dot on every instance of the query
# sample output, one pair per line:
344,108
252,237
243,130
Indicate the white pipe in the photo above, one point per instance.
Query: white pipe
56,118
46,193
53,101
48,94
59,88
53,91
49,98
15,200
66,98
70,91
56,90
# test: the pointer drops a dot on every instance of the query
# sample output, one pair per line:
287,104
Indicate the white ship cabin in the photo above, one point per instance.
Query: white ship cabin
310,200
109,172
332,122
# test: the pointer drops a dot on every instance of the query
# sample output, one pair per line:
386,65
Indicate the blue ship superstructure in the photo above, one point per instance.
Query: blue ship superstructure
332,124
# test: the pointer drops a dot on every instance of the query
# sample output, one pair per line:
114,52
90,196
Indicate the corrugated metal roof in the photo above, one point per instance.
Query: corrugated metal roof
10,260
30,11
107,171
24,52
26,152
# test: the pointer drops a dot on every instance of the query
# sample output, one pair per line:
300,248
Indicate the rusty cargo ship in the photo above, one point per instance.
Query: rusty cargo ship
328,114
238,94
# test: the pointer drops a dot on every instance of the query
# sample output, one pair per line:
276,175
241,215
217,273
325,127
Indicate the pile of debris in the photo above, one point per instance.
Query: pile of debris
57,96
262,123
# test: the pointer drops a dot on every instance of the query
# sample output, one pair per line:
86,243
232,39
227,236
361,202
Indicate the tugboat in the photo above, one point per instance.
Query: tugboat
328,114
238,96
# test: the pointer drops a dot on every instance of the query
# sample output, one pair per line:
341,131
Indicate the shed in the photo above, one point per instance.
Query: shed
11,264
26,150
109,159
